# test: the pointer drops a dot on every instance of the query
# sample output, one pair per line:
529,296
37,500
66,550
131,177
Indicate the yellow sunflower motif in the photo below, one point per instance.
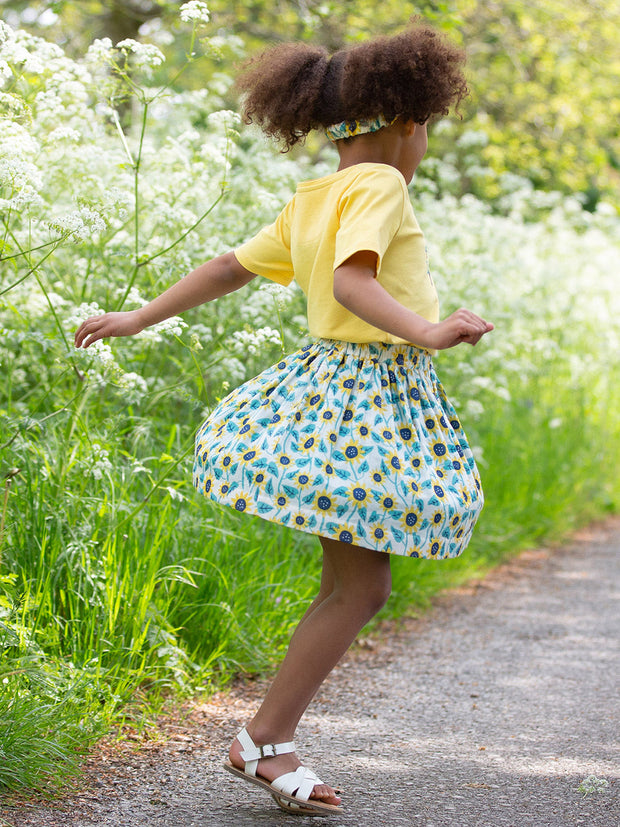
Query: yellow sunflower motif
325,504
379,533
394,462
307,444
259,479
303,480
437,517
347,534
410,519
359,493
362,432
299,520
353,450
439,449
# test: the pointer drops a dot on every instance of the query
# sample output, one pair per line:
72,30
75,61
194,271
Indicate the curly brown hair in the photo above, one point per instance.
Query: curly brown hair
293,88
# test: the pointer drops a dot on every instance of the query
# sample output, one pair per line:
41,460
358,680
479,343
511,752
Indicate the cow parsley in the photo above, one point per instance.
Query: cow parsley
194,10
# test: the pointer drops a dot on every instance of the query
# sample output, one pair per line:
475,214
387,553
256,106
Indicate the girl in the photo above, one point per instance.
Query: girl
352,437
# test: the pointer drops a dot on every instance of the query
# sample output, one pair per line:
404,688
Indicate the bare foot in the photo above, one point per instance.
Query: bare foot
272,768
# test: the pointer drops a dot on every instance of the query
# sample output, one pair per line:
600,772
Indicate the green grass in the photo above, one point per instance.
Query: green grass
123,590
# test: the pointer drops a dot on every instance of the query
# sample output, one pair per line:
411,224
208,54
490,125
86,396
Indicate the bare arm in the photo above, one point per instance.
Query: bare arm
357,289
211,280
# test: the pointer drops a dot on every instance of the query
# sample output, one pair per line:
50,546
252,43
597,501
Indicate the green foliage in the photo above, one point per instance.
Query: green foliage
116,582
543,76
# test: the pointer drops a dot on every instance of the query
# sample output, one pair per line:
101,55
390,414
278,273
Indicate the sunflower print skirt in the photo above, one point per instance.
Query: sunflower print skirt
356,442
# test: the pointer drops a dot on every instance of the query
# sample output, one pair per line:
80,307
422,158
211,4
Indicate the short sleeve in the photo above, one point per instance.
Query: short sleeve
268,254
371,213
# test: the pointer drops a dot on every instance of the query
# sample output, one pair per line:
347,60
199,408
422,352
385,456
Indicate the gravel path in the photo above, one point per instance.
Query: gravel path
488,711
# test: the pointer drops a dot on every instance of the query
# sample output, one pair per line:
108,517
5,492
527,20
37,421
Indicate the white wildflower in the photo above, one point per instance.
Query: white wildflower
80,224
169,327
502,392
100,51
201,333
176,495
280,294
253,341
478,454
472,139
83,312
64,133
194,10
154,30
146,55
101,353
134,385
224,119
100,463
195,343
6,33
474,408
12,104
133,297
27,196
234,370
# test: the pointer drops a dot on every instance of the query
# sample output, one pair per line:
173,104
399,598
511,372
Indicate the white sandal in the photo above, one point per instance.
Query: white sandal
290,791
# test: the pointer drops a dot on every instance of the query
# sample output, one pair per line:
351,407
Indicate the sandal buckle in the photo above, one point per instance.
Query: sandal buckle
268,751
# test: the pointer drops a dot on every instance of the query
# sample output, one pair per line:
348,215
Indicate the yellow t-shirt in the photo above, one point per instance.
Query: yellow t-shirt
363,207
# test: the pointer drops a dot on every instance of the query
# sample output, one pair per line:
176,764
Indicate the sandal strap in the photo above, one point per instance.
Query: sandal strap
299,784
252,754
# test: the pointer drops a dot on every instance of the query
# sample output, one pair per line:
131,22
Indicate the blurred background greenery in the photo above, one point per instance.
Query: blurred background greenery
544,76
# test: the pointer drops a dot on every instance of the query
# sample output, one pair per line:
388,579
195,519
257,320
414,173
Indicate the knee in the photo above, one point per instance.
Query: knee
372,596
379,594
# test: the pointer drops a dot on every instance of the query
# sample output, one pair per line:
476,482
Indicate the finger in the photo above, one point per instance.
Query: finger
85,328
93,330
473,318
81,335
475,337
95,336
78,334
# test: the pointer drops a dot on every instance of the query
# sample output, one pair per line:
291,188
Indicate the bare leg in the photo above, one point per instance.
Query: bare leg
356,584
325,589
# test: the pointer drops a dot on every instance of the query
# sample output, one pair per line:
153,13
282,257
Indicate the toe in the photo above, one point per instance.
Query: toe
326,794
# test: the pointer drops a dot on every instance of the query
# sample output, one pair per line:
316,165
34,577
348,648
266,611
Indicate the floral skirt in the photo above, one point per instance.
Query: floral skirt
356,442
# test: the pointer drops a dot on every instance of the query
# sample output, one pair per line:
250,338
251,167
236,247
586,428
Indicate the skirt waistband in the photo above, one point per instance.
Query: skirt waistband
376,351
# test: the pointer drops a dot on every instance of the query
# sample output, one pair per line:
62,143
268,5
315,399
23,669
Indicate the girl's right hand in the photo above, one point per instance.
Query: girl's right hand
125,323
463,326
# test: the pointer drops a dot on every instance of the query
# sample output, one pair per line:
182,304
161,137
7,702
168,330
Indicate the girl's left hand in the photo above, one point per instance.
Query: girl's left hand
463,326
125,323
